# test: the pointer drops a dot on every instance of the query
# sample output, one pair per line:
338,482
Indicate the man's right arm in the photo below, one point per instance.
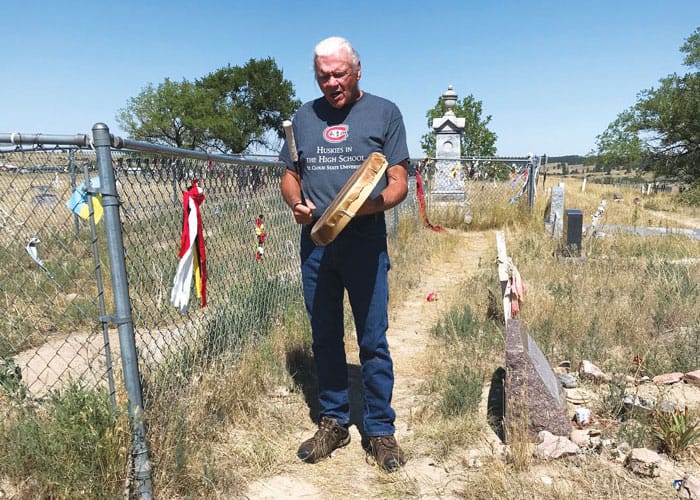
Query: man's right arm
291,192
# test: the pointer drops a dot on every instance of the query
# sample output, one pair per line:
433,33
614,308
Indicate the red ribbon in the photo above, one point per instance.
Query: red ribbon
197,196
420,193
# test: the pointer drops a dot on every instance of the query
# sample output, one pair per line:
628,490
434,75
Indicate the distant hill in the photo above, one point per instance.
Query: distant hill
570,159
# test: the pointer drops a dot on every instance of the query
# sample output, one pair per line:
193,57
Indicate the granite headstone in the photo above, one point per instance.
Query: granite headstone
533,394
555,219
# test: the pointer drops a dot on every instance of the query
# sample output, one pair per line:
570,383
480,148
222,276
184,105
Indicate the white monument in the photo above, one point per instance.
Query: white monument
448,182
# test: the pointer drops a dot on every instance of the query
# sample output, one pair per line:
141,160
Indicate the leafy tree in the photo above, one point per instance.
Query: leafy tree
173,114
618,145
248,102
691,48
229,110
590,160
477,139
663,126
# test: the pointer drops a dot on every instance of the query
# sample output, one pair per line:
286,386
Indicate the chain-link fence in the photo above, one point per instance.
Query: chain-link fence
487,186
50,328
57,279
52,299
90,235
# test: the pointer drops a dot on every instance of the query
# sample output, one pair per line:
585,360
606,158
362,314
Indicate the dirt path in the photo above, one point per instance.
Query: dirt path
346,474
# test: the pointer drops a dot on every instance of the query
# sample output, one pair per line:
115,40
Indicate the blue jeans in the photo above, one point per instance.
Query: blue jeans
356,261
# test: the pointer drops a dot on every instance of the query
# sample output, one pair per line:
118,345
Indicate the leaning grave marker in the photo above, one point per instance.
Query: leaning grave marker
533,393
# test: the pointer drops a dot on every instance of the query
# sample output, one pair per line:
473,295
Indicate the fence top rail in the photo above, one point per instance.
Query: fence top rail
147,147
18,139
486,158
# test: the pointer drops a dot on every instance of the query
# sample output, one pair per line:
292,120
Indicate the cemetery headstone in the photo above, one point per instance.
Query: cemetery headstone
448,185
555,222
574,230
534,397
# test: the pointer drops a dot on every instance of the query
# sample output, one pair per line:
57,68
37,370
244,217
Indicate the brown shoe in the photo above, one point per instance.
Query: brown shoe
328,437
386,452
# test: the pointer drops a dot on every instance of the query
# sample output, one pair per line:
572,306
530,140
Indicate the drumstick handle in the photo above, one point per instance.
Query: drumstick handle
293,153
291,144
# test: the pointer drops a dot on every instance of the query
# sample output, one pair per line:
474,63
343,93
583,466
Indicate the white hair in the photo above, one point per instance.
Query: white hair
333,45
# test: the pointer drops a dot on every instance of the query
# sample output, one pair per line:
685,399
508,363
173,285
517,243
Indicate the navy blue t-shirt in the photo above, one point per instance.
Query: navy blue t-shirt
332,143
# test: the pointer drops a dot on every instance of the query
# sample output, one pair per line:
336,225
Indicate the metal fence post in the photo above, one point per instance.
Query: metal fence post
122,307
531,182
100,291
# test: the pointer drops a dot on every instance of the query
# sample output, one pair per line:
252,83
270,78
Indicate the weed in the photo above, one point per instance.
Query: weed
458,323
611,403
591,342
11,379
690,197
463,392
634,433
563,292
543,332
517,432
675,431
685,349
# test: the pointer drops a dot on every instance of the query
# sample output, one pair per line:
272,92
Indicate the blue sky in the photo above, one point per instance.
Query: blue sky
552,74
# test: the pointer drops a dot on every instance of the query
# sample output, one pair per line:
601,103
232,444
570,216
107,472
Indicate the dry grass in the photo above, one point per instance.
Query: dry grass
627,298
233,423
660,210
630,296
227,427
410,251
239,418
583,477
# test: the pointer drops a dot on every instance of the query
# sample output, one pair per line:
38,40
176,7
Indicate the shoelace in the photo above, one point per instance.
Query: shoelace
388,443
326,426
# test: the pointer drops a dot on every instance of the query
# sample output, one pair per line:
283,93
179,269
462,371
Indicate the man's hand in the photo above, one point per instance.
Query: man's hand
393,194
304,212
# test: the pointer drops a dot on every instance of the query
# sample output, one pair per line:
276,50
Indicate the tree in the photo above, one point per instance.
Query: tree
173,114
617,145
691,48
229,110
477,139
663,126
249,104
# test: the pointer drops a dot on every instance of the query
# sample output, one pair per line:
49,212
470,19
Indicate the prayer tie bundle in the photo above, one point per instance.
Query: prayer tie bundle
192,253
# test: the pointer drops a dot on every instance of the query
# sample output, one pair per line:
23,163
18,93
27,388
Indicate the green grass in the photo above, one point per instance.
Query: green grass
75,446
462,392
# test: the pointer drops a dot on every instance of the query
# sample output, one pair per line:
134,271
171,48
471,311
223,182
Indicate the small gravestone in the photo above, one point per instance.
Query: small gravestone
534,397
555,221
574,230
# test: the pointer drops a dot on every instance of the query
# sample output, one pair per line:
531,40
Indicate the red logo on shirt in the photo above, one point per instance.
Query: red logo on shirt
336,133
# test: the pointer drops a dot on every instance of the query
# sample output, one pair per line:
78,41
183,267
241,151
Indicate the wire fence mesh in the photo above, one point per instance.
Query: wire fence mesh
56,288
490,188
52,326
51,303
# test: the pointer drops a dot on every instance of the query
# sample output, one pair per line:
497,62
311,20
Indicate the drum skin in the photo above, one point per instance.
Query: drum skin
349,199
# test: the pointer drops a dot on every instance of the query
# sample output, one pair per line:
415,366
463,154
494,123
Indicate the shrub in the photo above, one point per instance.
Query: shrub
690,197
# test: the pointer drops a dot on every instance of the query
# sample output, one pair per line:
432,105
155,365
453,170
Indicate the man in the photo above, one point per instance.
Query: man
334,134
